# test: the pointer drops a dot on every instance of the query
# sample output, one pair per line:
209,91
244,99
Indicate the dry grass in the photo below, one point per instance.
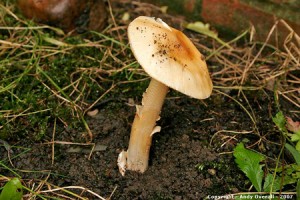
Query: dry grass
262,66
41,189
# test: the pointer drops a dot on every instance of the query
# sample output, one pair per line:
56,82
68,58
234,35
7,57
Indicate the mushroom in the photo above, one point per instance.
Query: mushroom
172,60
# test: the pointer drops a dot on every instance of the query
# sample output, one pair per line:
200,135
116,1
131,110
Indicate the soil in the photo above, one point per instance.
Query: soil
185,163
190,158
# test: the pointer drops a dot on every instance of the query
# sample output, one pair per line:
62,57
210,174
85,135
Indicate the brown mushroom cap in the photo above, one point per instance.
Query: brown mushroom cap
168,56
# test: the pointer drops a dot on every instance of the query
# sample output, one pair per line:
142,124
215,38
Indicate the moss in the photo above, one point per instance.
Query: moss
41,81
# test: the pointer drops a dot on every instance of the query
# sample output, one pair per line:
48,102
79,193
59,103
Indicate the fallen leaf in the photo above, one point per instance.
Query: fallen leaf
293,126
204,29
200,27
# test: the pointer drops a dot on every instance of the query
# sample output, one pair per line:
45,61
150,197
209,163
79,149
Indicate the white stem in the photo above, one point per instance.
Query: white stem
144,125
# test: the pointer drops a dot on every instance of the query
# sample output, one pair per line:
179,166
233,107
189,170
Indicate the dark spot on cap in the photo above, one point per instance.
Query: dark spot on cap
177,46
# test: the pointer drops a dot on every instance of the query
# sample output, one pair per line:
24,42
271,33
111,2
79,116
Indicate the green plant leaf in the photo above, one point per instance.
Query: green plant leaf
248,161
280,122
298,189
298,146
200,27
12,190
204,29
294,152
290,173
269,185
295,137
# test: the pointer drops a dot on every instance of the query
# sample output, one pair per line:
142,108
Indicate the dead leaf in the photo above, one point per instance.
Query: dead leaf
292,126
204,29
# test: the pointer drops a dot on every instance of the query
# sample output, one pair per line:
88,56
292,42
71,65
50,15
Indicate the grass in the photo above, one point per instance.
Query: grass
48,77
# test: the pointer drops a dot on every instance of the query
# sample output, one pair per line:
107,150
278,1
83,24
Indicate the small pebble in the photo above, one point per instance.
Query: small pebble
93,113
212,172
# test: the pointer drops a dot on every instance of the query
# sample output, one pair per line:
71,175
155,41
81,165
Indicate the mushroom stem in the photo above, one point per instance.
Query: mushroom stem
143,126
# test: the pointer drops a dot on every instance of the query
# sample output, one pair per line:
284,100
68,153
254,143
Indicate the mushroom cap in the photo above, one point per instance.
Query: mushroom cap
169,56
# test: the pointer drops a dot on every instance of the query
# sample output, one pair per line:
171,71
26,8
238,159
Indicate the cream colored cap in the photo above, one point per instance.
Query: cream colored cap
168,56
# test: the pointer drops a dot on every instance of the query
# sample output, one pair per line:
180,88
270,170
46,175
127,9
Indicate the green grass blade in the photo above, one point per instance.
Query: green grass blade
294,152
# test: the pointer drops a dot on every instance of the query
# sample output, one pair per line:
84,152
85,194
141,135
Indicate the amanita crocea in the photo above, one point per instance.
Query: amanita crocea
172,61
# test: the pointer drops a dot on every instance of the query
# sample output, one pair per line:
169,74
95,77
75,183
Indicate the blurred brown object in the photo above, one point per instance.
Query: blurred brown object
67,14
